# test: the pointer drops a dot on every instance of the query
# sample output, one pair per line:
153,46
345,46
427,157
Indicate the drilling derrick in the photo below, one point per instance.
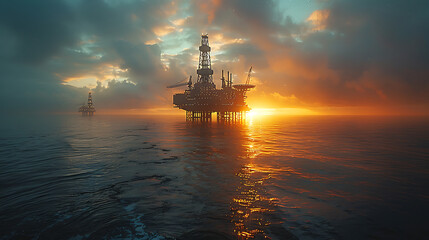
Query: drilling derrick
204,71
88,109
202,99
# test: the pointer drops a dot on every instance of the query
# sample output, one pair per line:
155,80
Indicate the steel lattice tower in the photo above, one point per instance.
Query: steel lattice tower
90,100
204,71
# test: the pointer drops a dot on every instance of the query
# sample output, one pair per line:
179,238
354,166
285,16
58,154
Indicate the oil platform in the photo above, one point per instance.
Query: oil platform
202,99
88,109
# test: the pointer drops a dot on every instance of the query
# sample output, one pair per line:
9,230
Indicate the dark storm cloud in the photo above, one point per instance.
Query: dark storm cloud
383,42
140,59
119,20
391,34
40,28
247,54
31,88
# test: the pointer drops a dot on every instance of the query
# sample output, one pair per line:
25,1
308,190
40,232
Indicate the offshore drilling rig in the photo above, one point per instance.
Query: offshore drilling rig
202,99
87,110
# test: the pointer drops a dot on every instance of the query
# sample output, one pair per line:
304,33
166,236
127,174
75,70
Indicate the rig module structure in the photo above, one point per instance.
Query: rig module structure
202,99
87,110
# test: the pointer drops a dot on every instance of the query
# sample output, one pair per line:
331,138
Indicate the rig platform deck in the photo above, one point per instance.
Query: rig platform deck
202,99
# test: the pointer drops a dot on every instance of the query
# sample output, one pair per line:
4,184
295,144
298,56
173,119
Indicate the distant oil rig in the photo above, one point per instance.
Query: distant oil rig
88,109
202,99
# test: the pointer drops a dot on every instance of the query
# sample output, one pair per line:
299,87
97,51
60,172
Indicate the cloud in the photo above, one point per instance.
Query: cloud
377,47
318,19
363,52
46,44
345,53
40,29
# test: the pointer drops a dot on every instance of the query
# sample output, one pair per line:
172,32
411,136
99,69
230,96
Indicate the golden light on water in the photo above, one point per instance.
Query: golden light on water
249,206
263,112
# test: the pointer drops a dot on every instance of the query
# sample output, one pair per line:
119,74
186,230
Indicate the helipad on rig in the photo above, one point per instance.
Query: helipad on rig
202,99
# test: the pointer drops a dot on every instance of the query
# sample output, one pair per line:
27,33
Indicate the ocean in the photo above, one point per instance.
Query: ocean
159,177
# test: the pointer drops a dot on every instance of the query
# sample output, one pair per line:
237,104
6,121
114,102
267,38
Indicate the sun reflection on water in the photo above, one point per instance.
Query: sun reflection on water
249,206
254,212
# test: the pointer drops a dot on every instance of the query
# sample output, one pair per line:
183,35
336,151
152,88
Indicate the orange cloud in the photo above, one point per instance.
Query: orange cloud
153,41
218,40
180,21
103,73
210,8
318,19
163,30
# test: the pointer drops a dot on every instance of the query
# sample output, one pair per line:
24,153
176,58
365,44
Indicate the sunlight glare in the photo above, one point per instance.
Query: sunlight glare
258,112
261,112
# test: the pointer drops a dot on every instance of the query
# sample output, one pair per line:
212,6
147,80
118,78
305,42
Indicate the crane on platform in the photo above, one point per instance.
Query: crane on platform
246,86
182,83
248,76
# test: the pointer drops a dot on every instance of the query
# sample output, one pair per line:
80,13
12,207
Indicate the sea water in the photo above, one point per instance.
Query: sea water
158,177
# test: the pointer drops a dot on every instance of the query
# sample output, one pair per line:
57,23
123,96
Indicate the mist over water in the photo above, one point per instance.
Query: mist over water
312,177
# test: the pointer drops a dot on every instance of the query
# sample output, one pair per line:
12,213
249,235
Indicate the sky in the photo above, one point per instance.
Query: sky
325,56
